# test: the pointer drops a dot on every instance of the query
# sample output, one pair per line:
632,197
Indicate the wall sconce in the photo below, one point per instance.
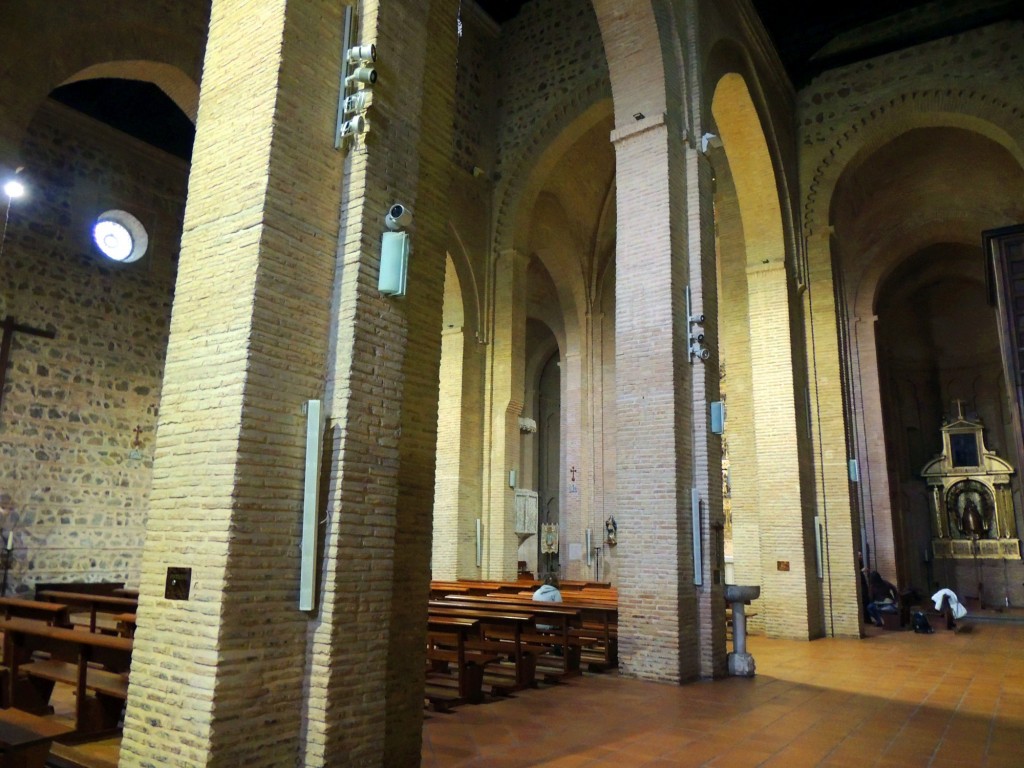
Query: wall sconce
13,189
357,75
352,127
696,336
394,251
394,263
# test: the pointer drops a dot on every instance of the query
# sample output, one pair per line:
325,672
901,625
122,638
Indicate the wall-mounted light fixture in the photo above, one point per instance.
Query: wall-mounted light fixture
696,337
14,189
394,251
357,75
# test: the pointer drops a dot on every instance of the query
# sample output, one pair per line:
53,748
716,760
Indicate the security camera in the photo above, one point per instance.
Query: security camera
699,338
697,319
354,126
705,353
399,216
357,102
365,75
358,53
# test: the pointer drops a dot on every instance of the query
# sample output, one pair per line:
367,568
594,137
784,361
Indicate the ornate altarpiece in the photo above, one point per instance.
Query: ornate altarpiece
971,504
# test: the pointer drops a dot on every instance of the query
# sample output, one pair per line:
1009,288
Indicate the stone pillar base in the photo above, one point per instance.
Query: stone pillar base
741,665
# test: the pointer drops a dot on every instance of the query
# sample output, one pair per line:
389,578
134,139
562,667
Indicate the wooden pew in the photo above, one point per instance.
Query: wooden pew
25,738
600,623
54,614
100,693
125,624
500,632
107,604
552,640
447,641
598,602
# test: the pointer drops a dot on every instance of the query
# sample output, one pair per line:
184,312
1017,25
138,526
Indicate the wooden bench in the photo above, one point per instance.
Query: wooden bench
600,624
125,624
500,632
447,644
54,614
95,665
25,738
95,603
553,641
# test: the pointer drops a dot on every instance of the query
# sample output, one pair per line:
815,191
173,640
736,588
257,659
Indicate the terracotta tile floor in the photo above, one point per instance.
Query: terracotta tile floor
894,699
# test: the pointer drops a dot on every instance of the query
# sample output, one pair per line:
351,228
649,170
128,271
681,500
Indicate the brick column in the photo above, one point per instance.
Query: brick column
707,447
873,489
217,679
734,319
842,534
657,609
473,482
446,561
504,404
790,592
573,516
367,646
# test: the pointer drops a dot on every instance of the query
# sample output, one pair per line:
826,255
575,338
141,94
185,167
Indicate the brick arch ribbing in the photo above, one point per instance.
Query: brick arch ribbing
975,110
636,53
179,87
950,226
469,286
727,56
129,32
544,147
753,171
634,50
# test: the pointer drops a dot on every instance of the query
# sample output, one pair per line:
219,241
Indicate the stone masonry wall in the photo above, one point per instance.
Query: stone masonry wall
71,486
552,49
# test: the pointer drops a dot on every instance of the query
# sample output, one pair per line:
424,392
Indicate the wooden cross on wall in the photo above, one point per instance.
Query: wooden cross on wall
9,328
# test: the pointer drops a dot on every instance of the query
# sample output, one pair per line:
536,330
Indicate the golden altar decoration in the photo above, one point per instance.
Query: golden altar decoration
970,499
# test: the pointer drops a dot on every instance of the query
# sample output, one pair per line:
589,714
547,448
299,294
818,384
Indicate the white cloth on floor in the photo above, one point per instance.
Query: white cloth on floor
954,603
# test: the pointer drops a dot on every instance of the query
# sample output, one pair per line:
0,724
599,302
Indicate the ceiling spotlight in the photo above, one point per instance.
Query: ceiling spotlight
14,189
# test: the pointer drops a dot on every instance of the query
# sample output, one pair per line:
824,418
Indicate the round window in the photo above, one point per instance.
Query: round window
120,236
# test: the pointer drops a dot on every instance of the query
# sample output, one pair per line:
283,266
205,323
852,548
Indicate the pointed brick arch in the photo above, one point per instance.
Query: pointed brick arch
765,429
972,109
636,65
157,40
179,87
469,281
546,145
752,169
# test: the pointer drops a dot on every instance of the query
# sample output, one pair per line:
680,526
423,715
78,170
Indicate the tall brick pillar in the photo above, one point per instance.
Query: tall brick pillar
446,555
707,447
504,404
789,587
217,678
842,532
574,515
658,621
873,488
367,643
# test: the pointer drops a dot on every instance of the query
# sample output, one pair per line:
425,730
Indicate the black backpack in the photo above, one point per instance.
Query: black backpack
920,624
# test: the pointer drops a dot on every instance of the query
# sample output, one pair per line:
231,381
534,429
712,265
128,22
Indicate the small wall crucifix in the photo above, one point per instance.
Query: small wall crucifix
9,328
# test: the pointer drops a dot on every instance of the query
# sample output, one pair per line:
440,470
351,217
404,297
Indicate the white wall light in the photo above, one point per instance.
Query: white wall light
394,263
120,236
14,189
